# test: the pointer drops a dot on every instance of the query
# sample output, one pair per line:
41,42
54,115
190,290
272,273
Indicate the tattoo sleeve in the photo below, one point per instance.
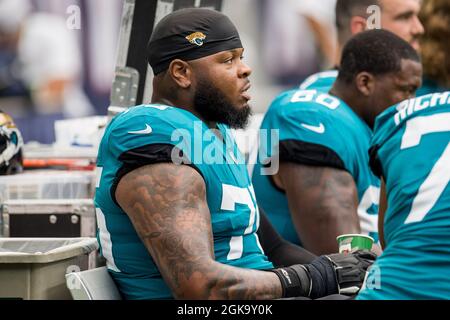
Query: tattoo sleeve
323,203
167,206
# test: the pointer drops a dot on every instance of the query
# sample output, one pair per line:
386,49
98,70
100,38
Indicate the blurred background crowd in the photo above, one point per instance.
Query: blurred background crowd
51,65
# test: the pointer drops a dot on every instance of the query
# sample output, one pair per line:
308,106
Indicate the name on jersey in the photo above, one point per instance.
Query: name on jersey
408,107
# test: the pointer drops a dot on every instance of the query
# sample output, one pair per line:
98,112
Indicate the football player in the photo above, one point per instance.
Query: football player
324,186
411,152
176,209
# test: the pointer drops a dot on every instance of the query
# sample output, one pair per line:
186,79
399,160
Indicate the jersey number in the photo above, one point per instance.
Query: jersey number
323,99
439,177
232,195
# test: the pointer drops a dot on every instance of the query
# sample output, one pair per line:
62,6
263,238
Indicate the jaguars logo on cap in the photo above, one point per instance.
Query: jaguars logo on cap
196,38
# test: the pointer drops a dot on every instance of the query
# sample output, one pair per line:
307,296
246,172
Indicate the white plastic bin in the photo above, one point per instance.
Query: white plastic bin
35,268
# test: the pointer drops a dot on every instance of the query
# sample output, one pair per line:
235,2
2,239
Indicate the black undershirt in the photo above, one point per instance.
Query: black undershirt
280,252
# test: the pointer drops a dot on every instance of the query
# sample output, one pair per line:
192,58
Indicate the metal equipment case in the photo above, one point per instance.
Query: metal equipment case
61,218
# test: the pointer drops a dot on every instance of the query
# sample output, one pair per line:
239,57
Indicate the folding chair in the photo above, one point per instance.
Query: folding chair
94,284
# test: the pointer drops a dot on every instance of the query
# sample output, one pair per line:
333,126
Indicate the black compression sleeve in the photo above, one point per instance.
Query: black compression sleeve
279,251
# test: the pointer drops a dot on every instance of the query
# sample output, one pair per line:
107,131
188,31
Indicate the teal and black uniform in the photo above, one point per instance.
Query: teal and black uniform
314,129
411,150
149,134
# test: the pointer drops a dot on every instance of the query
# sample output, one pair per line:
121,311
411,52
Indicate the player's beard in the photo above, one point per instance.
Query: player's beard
212,105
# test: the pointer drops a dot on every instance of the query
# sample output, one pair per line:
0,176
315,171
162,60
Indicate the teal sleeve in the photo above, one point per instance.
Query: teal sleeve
310,132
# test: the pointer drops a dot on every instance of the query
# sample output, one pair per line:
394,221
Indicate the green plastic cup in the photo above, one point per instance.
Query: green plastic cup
353,242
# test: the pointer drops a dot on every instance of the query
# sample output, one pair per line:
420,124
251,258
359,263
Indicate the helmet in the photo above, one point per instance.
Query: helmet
11,143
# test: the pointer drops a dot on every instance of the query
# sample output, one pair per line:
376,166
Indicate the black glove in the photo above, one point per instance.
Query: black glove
339,273
326,275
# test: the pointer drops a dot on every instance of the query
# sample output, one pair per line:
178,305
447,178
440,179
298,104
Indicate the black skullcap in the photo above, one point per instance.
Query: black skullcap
190,34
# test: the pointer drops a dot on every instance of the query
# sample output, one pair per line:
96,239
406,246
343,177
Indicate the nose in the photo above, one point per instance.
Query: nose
244,70
418,28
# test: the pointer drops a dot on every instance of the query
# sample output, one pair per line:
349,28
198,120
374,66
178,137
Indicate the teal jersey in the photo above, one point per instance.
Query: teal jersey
411,150
141,136
320,130
321,81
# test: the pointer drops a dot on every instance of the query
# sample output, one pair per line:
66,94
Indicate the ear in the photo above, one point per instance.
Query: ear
357,25
365,83
181,72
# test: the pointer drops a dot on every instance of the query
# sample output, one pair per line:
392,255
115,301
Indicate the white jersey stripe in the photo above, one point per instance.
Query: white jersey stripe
105,240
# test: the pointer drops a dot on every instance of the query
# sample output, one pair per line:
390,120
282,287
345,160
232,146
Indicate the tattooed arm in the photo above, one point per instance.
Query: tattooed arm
167,206
323,203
